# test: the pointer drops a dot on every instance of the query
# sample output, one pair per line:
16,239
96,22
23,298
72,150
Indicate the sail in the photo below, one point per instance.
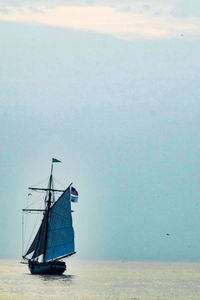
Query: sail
60,235
38,243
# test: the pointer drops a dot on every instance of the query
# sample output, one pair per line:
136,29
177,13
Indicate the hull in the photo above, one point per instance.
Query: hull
52,267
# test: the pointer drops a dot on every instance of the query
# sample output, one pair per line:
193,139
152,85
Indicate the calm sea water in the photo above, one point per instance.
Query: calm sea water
107,280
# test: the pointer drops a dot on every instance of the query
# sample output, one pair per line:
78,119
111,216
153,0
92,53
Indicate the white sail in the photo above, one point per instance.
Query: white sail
60,235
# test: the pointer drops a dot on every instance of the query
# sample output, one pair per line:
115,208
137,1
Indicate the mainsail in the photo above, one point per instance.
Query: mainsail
60,233
60,236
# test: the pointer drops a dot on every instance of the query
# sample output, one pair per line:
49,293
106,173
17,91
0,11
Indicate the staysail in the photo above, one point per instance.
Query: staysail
38,243
60,235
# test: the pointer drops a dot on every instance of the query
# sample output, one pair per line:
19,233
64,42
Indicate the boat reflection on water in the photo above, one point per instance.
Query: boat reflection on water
66,280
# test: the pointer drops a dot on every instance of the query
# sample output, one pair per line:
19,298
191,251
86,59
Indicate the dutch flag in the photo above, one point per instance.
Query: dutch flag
74,195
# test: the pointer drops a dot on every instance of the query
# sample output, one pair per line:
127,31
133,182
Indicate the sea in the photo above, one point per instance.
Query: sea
103,280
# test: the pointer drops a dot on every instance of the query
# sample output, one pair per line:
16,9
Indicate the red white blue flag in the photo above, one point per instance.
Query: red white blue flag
74,195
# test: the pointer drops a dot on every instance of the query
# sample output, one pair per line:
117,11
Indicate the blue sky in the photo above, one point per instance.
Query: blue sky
121,110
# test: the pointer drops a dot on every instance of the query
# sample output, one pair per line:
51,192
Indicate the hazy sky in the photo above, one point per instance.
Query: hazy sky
111,88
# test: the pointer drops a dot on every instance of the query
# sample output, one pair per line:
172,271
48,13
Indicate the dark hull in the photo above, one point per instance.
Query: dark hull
52,267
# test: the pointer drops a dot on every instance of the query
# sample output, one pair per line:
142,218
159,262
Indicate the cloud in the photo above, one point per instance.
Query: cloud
146,7
125,9
4,10
131,20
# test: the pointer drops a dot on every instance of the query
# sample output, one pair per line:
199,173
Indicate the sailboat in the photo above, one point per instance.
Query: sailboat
54,239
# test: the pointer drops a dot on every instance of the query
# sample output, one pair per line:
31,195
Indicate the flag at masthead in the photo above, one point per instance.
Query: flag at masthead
55,160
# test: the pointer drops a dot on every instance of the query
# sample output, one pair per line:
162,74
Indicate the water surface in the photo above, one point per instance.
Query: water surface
105,280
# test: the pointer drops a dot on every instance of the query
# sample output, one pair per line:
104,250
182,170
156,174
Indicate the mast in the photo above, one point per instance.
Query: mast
48,205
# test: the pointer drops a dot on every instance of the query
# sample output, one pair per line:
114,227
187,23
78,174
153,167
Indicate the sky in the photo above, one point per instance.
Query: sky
111,88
